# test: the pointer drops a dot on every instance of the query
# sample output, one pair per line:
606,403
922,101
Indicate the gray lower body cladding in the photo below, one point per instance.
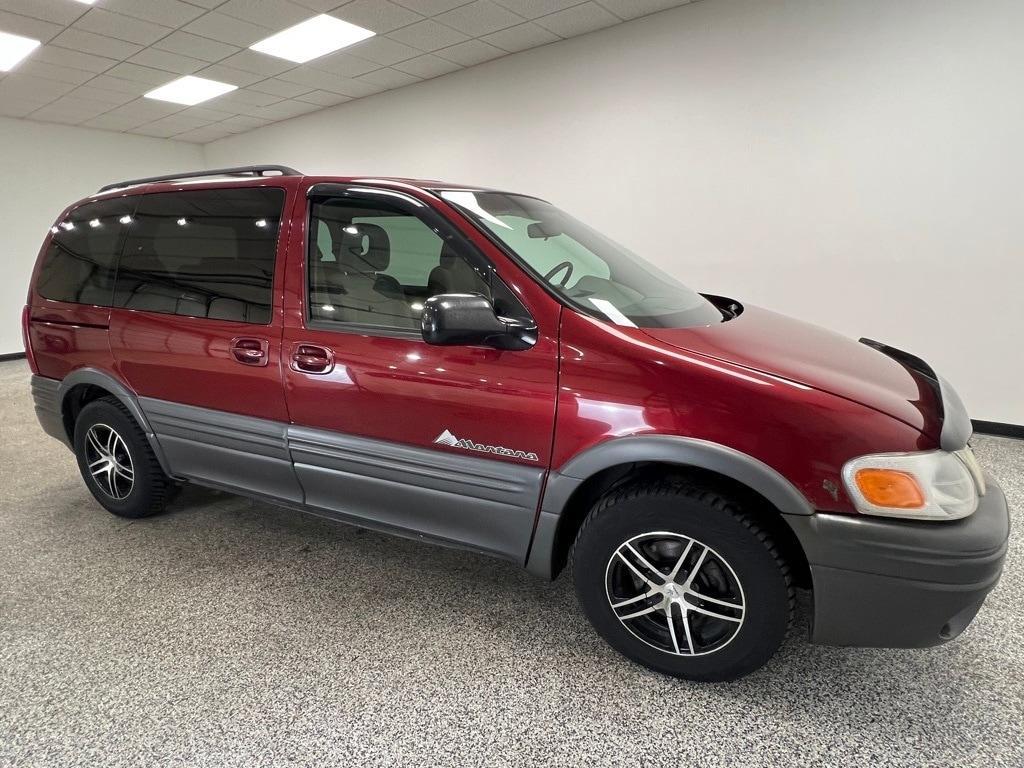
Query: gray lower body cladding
477,503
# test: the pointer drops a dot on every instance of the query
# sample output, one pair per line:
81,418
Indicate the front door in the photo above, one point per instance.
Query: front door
448,442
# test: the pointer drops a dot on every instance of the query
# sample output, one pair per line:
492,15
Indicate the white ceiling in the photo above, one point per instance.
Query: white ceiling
97,61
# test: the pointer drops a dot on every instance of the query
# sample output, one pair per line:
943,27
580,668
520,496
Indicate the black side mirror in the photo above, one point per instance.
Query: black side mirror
451,319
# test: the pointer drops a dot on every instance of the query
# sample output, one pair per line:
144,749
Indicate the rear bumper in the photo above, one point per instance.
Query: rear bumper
46,399
901,584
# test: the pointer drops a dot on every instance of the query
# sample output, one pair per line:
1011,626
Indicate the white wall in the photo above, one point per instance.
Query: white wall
45,168
855,163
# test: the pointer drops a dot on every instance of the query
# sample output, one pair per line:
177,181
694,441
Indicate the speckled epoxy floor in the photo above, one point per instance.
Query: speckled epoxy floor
233,633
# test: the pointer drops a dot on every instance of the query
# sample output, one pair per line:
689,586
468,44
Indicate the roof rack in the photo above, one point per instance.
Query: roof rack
244,170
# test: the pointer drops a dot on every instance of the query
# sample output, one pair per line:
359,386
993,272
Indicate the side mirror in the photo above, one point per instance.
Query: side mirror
451,319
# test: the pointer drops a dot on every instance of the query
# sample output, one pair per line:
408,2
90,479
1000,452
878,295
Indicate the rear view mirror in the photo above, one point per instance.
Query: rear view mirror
543,229
452,319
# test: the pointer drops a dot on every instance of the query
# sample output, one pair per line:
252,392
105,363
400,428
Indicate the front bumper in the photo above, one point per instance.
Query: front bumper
902,584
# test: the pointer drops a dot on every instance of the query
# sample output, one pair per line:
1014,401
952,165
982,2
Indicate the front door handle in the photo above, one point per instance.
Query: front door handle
312,358
250,351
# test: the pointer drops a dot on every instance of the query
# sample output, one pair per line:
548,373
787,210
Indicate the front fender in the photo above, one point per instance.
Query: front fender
667,449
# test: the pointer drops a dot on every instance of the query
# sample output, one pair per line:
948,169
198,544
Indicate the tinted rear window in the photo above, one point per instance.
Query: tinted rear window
79,264
202,253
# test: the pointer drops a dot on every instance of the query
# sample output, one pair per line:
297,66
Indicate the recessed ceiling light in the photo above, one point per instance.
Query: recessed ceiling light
87,2
312,39
190,90
14,48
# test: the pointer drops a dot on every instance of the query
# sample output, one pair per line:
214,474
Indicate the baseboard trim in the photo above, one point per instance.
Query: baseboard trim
12,356
998,428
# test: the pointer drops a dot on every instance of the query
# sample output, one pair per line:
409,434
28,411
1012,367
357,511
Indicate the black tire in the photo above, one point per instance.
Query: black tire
149,489
741,640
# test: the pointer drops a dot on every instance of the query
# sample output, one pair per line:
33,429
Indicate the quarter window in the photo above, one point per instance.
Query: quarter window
82,256
203,253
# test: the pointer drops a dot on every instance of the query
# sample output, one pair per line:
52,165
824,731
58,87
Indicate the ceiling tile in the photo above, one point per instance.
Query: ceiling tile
66,57
17,107
241,123
127,71
379,16
69,109
205,114
431,7
383,50
632,9
142,111
102,95
470,52
25,26
276,14
227,29
195,46
207,4
170,13
103,22
323,98
114,122
167,61
480,18
98,45
281,88
58,11
284,110
389,78
428,35
260,63
521,37
427,65
166,127
18,85
578,20
54,72
531,9
203,135
245,97
229,75
314,78
119,84
343,64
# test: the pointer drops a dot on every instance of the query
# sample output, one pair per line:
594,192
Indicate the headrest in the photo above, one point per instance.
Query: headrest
364,248
449,256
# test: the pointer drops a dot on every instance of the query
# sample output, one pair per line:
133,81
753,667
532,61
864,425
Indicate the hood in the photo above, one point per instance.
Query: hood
781,346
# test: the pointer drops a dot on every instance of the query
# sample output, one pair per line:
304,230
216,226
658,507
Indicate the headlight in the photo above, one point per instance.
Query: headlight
934,485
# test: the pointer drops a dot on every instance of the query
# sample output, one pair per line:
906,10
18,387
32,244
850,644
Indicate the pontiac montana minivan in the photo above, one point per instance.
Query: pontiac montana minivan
479,369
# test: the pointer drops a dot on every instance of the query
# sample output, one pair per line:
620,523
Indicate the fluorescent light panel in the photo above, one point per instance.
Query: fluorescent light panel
190,90
312,39
14,48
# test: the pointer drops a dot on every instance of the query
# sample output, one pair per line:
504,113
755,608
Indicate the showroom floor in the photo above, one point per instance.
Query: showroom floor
234,633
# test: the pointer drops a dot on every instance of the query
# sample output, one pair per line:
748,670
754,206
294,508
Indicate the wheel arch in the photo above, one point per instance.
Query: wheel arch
572,491
84,385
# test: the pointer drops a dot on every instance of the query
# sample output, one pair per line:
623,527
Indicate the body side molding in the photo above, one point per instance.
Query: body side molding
670,449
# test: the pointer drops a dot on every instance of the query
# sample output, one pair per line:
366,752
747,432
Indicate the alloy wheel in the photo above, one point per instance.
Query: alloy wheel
109,461
675,593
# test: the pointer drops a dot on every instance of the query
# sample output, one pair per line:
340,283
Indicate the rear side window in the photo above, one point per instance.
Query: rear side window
202,253
79,264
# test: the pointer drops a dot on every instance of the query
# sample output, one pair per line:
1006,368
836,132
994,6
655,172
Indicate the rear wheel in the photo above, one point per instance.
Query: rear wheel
681,580
117,462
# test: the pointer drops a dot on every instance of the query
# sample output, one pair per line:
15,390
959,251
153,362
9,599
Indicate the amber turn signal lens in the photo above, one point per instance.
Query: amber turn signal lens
890,488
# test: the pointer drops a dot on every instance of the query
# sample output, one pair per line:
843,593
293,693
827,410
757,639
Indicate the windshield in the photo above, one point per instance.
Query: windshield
596,275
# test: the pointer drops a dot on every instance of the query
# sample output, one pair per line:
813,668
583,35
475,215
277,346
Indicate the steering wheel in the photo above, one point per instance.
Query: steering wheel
567,266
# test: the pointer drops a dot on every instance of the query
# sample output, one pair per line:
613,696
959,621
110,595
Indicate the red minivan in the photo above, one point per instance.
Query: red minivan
479,369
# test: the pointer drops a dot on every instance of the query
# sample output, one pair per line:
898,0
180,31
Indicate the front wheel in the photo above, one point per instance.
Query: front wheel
679,579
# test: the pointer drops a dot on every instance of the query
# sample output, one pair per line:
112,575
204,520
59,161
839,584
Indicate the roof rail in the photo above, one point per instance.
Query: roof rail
244,170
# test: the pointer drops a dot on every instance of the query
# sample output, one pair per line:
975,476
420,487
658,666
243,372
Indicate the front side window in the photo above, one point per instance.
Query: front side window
375,263
203,253
79,263
590,271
